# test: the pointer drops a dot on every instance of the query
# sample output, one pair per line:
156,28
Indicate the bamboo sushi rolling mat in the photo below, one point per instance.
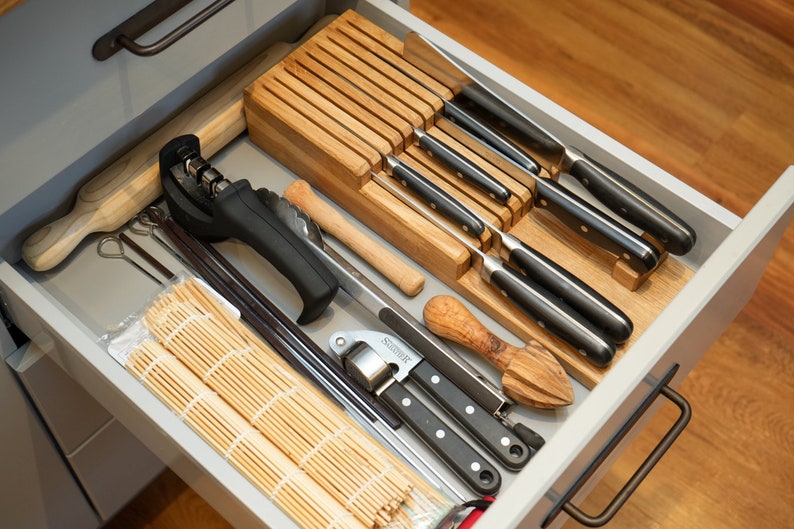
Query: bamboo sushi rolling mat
280,432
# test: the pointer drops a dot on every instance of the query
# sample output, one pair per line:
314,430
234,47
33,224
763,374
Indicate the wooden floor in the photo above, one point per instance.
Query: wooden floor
704,89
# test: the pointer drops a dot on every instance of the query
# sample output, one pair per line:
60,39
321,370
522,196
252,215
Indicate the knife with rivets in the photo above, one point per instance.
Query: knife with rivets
618,194
587,221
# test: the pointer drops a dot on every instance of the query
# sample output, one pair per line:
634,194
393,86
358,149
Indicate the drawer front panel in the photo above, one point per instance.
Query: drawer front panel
69,411
714,296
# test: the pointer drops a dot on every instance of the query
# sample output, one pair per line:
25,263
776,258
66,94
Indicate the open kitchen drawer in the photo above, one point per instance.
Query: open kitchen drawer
65,311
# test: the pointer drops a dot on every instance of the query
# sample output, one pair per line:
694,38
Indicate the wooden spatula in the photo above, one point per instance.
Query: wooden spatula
531,375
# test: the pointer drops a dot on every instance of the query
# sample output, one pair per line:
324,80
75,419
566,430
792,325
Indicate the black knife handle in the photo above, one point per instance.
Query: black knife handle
463,167
490,136
596,227
577,294
436,197
469,465
633,204
554,316
492,434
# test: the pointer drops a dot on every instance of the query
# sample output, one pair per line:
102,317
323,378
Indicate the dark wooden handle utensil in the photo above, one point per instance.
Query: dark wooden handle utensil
532,376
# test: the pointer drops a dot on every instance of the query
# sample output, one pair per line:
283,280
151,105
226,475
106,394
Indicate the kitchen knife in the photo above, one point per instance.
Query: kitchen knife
370,358
405,363
581,217
618,194
462,166
548,311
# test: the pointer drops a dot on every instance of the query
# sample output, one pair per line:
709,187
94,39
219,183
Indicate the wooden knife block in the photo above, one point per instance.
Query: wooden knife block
312,110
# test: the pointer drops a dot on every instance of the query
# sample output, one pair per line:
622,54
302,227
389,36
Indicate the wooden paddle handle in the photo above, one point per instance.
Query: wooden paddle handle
405,277
448,318
127,186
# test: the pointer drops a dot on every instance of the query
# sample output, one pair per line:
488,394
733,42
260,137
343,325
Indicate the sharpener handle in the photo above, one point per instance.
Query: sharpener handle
240,213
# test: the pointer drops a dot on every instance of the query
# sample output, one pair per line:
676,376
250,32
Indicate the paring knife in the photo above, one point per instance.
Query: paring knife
462,166
618,194
540,305
581,217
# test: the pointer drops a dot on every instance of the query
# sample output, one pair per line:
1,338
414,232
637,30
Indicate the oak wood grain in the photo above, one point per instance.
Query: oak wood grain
704,89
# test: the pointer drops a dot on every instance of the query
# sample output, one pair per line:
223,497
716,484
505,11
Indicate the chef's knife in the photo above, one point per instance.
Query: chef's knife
615,192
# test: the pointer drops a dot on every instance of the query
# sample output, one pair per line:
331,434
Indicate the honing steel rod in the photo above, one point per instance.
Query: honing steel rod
404,276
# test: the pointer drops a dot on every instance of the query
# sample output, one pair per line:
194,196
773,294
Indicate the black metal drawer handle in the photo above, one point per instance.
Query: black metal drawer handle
123,36
565,504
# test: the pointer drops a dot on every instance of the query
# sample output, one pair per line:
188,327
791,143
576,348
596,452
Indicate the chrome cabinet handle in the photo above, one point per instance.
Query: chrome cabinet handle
565,504
123,36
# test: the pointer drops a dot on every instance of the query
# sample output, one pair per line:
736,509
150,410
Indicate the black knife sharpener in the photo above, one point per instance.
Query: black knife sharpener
214,209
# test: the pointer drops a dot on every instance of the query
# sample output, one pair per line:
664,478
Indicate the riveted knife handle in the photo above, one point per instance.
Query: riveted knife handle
577,294
468,464
492,434
551,314
437,198
633,204
596,227
463,167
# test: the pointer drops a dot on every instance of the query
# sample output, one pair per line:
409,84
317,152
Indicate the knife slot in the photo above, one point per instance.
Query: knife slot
353,102
461,191
338,76
467,193
315,106
356,79
420,101
382,43
371,61
521,199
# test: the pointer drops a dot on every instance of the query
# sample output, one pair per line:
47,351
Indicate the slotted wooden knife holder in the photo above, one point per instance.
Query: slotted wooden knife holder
330,110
